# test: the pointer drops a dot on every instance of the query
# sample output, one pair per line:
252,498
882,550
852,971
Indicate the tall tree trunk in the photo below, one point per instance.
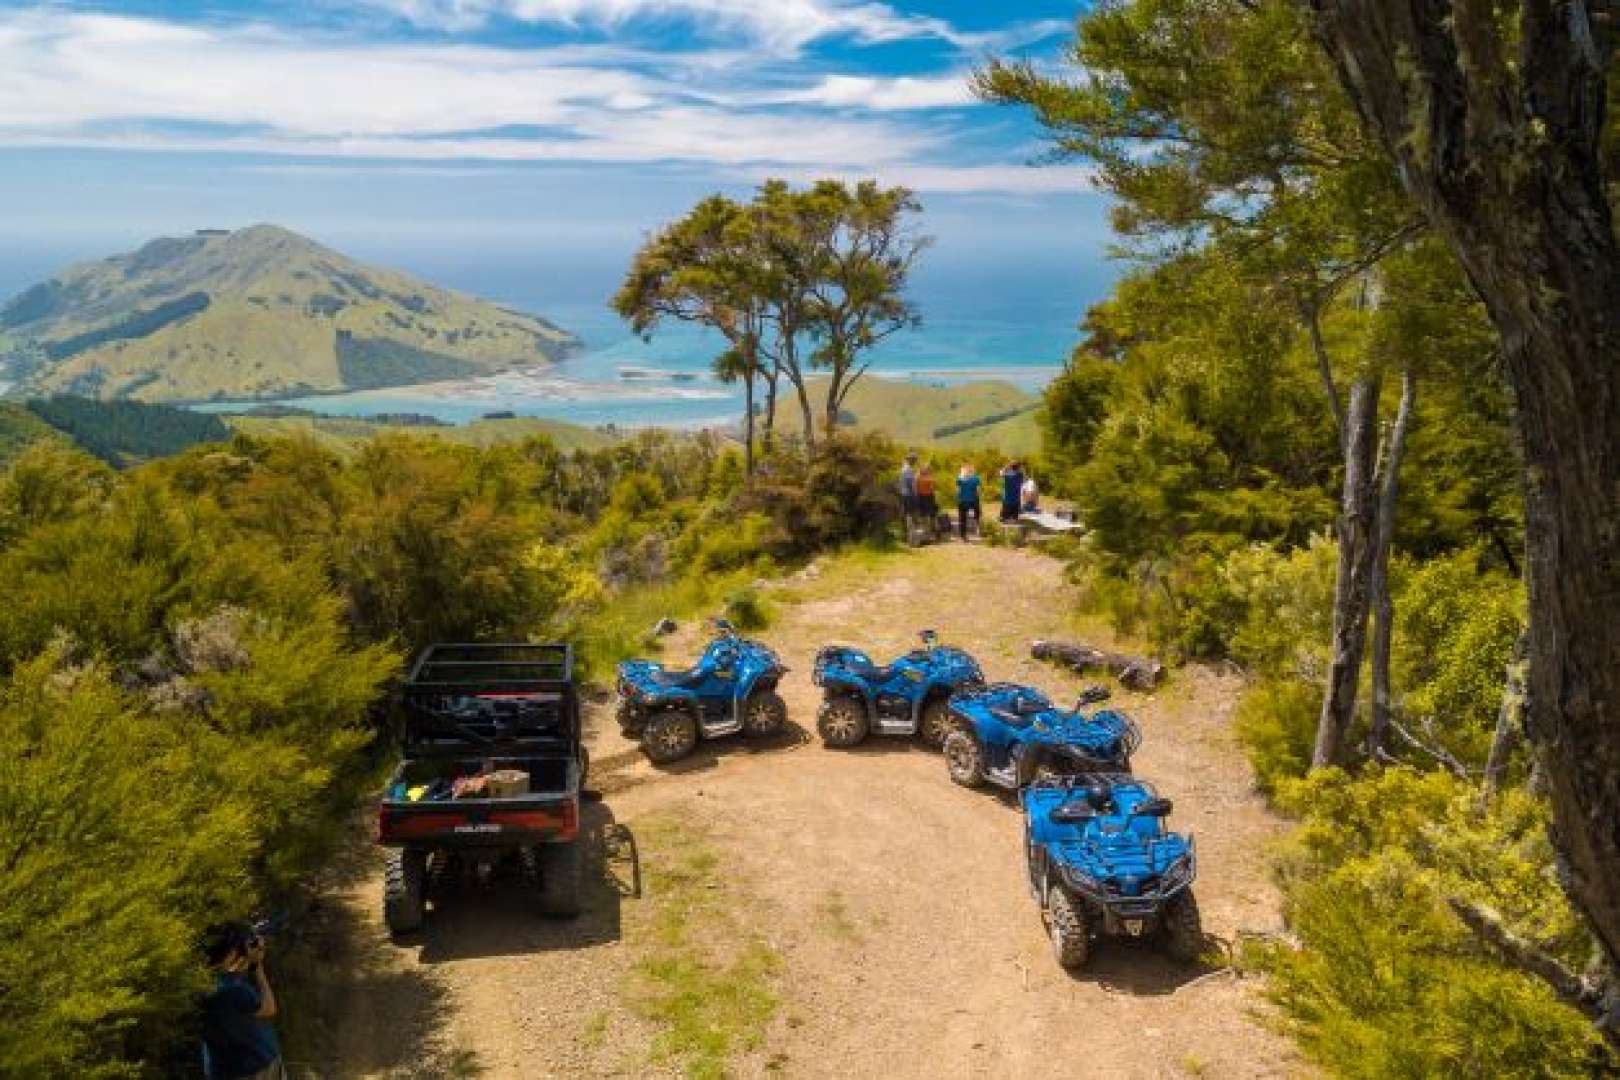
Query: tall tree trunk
1504,155
1383,605
768,438
748,423
835,397
1350,593
809,414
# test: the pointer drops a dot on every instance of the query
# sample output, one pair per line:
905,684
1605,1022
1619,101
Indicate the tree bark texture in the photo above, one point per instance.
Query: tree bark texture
748,423
1351,592
1503,154
1383,605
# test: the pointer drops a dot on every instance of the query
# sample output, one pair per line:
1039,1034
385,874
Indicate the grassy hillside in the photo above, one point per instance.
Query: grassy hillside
259,312
20,428
969,416
342,433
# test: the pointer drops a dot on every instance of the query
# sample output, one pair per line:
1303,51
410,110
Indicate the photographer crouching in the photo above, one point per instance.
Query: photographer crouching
238,1040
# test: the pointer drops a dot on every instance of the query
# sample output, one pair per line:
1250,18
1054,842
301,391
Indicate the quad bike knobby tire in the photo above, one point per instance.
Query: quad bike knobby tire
1033,867
404,902
628,717
964,759
1066,923
1183,929
562,878
764,714
842,721
935,725
669,736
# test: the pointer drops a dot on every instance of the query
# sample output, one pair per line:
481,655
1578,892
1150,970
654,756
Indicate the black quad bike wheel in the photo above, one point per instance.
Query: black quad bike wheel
764,714
1066,924
1183,928
964,759
669,736
842,722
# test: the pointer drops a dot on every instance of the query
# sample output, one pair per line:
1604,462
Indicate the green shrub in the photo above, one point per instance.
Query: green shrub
1383,979
1455,630
843,494
1275,721
747,609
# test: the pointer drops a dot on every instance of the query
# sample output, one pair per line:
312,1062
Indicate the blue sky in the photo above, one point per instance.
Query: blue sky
488,141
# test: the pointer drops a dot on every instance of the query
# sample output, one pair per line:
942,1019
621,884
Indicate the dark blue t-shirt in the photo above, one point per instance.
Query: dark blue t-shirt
236,1042
967,490
1012,487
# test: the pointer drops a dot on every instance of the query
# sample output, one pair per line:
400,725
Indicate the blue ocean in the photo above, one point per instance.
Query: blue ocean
992,320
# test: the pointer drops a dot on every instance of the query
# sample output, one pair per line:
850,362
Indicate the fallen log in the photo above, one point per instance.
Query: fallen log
1142,673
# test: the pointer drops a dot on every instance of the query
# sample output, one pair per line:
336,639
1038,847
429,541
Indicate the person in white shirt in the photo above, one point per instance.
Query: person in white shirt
1031,496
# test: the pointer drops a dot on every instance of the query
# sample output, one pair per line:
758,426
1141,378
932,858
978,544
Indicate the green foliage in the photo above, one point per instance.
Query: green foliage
123,432
20,429
842,494
1385,981
1455,632
182,756
1275,722
1072,414
747,609
793,280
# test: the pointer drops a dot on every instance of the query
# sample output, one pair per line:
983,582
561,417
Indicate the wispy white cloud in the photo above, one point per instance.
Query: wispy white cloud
782,25
881,93
85,80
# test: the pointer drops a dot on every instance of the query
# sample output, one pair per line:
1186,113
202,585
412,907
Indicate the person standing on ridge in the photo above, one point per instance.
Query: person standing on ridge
927,504
908,488
1032,495
1012,490
967,499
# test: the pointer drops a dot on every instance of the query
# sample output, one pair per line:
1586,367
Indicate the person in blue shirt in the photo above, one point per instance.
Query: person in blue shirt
967,499
238,1040
1012,490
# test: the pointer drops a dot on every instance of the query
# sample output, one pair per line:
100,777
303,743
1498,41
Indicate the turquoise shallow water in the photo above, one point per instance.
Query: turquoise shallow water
1026,348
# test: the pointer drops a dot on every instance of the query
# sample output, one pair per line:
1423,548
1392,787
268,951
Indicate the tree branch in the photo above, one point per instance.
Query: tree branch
1595,995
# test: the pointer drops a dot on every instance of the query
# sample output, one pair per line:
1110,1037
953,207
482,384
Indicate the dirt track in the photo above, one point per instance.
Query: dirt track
894,900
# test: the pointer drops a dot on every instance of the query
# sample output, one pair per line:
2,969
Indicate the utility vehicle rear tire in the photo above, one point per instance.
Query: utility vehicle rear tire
1066,924
764,714
964,759
404,901
842,722
669,736
628,717
562,878
1183,928
935,725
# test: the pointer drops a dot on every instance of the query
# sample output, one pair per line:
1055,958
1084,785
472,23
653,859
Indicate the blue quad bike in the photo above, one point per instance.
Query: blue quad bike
908,697
1102,863
731,688
1007,734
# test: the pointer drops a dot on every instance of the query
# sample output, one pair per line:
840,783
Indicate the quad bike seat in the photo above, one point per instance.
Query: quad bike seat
869,671
677,677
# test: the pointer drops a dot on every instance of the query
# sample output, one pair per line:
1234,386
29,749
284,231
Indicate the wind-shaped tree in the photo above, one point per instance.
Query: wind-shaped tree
705,269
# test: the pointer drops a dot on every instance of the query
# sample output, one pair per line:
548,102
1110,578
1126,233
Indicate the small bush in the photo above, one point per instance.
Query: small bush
746,609
1276,724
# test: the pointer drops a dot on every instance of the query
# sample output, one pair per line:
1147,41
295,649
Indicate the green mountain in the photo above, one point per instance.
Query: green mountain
255,313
